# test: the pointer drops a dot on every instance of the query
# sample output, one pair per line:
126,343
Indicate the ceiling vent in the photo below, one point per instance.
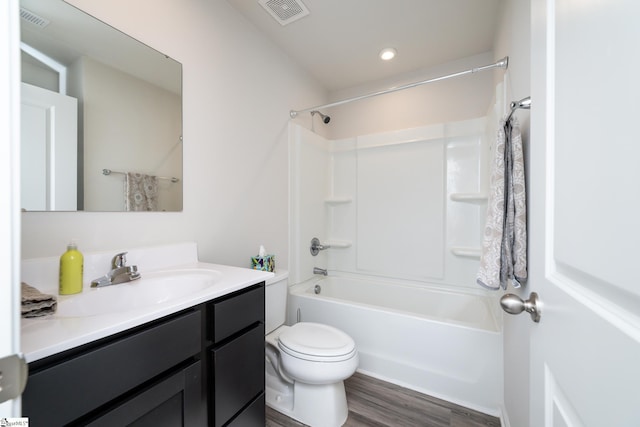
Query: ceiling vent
285,11
33,18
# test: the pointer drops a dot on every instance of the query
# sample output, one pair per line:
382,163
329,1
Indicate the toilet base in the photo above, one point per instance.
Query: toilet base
315,405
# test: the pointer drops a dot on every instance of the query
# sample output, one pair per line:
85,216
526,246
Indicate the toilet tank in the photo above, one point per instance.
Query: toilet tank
275,301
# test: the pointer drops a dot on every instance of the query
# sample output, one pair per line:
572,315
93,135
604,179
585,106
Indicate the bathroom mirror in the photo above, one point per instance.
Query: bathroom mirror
96,105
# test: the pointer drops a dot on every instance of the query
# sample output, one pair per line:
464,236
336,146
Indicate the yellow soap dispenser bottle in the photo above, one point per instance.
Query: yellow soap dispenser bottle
71,270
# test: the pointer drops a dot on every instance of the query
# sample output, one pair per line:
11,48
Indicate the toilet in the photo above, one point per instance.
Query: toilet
306,363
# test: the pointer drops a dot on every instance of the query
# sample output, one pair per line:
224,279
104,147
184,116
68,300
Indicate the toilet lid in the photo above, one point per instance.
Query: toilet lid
315,341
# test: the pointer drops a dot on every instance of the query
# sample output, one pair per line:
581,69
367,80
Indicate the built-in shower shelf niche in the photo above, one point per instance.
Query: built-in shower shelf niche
339,244
469,197
466,252
336,201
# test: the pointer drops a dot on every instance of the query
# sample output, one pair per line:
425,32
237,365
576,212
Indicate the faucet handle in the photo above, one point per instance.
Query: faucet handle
119,260
316,246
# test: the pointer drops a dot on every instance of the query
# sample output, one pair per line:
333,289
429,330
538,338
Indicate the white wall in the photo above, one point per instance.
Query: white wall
513,39
455,99
238,90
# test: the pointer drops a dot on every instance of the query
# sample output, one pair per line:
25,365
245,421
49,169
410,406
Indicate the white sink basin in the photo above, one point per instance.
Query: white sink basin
153,288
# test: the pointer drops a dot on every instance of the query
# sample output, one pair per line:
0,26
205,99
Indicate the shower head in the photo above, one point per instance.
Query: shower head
326,119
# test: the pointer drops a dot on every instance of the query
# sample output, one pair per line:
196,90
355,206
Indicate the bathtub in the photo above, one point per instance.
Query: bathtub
446,344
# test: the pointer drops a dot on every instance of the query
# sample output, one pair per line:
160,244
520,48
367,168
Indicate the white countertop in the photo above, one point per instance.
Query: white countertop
45,336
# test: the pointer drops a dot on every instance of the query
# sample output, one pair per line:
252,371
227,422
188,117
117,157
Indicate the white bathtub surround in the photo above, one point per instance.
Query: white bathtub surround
42,337
441,342
408,204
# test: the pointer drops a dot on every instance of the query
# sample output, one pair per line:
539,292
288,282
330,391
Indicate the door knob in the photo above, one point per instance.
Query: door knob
513,304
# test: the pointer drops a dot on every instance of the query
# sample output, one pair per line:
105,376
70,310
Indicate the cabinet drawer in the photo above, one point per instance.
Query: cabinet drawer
236,312
238,374
73,388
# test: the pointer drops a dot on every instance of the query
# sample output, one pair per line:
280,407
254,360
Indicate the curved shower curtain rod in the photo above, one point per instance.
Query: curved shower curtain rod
503,63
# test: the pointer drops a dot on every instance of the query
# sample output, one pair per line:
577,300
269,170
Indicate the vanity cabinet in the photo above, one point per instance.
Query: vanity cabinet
201,366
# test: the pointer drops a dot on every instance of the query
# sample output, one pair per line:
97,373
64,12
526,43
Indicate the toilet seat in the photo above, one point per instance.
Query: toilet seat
317,342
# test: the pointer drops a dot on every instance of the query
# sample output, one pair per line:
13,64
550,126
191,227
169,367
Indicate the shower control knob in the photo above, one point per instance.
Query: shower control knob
316,246
513,304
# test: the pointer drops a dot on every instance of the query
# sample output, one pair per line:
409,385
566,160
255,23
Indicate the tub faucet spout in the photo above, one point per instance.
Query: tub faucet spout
317,270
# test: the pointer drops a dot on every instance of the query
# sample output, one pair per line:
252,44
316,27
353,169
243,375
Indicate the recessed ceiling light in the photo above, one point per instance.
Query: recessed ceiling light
388,53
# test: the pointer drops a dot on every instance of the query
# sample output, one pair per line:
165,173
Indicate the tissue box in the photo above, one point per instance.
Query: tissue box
264,263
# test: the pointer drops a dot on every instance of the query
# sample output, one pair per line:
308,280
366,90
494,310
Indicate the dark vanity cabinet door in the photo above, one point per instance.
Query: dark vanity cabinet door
238,375
173,401
236,390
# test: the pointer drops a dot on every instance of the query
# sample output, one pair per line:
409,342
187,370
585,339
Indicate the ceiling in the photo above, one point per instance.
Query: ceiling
339,40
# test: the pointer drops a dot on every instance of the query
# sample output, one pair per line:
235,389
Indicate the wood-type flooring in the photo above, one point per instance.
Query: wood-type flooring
376,403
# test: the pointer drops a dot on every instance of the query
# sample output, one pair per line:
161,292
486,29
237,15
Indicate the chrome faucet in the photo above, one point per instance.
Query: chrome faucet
317,270
120,272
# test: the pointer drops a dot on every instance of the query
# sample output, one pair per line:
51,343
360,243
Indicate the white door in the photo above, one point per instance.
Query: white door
49,150
585,212
9,192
